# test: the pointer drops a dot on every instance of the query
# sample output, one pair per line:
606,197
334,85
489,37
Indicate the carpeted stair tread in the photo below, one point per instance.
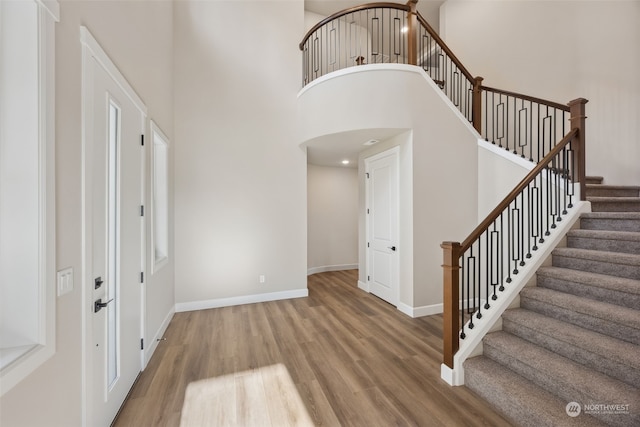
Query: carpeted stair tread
613,283
614,204
605,240
609,319
614,290
614,187
562,377
613,357
604,262
612,215
593,180
630,236
518,399
619,221
600,190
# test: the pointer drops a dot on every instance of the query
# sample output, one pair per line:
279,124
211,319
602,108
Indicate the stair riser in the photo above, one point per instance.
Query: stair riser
612,192
502,400
607,366
615,206
609,245
550,383
603,326
594,266
610,224
593,180
583,290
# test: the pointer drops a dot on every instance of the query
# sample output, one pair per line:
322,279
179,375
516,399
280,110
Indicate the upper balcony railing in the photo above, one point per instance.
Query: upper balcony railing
376,33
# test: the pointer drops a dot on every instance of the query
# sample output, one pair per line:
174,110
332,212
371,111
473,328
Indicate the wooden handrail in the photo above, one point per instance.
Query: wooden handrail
527,98
453,251
337,15
482,227
444,47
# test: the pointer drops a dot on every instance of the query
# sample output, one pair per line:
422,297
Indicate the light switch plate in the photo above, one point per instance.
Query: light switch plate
65,281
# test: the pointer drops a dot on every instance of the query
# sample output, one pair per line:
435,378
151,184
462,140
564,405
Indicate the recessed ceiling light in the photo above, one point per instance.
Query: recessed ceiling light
345,162
370,142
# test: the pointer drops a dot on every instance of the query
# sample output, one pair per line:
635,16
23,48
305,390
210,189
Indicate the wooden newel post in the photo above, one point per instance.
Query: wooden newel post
412,29
451,304
578,119
476,104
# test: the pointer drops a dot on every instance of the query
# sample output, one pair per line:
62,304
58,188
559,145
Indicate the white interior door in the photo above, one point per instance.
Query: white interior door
114,250
382,225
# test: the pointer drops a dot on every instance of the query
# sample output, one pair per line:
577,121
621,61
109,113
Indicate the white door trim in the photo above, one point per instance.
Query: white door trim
91,49
395,152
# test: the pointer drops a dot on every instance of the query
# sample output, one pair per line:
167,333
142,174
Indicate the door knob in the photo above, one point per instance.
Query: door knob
393,248
99,305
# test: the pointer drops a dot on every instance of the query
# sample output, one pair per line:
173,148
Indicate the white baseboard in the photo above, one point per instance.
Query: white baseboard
246,299
325,268
159,333
425,310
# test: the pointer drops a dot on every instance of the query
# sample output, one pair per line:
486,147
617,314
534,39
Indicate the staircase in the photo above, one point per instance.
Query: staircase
576,335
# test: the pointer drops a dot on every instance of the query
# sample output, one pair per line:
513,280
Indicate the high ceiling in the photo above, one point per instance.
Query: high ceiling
429,9
331,150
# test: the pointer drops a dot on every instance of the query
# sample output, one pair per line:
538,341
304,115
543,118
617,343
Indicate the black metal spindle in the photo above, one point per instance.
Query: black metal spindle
529,219
471,288
509,237
501,252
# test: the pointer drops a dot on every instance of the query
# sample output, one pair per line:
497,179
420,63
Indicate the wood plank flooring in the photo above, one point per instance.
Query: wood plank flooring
354,359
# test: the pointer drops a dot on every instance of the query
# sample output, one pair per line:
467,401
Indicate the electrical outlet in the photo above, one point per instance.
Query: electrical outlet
262,279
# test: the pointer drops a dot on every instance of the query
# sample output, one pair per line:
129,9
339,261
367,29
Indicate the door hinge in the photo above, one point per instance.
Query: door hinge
367,210
367,175
142,277
141,343
142,140
367,244
368,278
141,210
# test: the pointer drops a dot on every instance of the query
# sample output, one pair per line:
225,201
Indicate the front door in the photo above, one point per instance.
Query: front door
382,225
113,227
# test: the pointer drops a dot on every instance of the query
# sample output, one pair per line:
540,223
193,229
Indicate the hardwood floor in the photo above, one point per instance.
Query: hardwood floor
354,359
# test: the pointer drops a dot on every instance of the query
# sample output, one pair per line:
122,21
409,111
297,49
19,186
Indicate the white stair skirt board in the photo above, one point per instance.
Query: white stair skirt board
325,268
471,345
245,299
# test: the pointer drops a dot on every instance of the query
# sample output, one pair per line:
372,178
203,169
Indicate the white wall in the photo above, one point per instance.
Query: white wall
443,149
137,36
560,51
332,212
240,174
499,171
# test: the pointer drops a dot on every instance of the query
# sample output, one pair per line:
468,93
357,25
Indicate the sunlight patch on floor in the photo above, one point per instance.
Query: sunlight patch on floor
260,397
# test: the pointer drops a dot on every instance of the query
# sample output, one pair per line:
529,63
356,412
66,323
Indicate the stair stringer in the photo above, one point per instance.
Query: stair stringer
491,318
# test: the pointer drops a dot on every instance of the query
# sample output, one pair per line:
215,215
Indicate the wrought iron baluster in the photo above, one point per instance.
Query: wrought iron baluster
463,284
